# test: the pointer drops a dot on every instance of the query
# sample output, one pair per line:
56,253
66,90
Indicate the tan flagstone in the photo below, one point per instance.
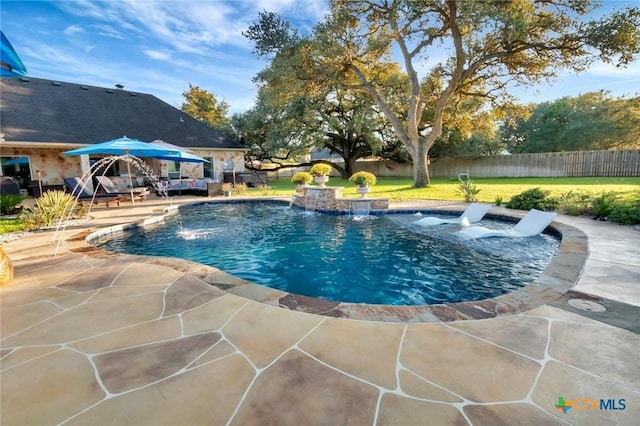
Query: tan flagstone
102,277
188,292
73,299
108,293
219,350
15,320
15,296
609,352
48,390
264,332
398,410
53,275
17,356
152,331
132,368
206,395
558,380
297,390
525,335
553,313
88,320
357,348
142,274
212,315
416,386
474,369
38,259
517,414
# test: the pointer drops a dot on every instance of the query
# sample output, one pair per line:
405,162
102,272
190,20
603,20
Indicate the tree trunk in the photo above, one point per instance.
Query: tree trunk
349,167
421,166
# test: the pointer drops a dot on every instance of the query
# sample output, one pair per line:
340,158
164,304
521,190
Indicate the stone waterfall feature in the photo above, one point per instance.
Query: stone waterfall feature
329,199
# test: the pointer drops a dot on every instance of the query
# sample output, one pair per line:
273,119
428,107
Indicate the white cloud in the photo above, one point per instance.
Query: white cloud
156,54
73,29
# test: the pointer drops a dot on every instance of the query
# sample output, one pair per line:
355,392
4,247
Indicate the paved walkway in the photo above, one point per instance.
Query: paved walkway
90,337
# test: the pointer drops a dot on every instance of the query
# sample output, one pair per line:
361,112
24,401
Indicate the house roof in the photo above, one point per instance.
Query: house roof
44,111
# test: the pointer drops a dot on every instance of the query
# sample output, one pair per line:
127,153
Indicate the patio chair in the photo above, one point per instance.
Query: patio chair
110,188
78,189
532,224
474,213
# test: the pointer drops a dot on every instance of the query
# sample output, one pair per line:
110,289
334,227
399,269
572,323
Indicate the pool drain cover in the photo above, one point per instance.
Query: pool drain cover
586,305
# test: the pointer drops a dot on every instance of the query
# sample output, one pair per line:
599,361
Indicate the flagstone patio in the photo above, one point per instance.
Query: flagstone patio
91,337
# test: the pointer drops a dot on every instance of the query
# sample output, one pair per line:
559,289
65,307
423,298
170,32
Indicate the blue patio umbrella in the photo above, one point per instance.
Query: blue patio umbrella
16,161
10,63
185,156
124,146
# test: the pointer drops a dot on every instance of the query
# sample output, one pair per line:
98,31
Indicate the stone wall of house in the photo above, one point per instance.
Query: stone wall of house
54,165
51,163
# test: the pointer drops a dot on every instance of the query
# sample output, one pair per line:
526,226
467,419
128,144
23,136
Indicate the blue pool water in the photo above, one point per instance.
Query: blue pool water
375,259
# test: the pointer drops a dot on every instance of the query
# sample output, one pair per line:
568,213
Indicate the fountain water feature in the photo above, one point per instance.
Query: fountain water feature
312,201
360,207
103,164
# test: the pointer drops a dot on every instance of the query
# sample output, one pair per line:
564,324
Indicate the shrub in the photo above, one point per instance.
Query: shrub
10,225
498,201
241,188
51,207
10,203
603,204
226,187
320,169
626,213
363,178
468,191
534,198
302,178
265,189
574,204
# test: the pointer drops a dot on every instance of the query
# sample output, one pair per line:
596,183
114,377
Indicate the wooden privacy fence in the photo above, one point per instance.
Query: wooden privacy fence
548,164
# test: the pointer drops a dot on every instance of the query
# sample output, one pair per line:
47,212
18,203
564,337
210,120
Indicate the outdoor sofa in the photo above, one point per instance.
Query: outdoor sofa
184,187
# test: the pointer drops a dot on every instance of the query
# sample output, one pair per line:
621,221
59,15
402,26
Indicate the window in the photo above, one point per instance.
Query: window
18,168
173,170
209,169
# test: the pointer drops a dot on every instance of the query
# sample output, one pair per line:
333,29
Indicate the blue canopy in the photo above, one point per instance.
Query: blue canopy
124,146
16,161
10,63
184,157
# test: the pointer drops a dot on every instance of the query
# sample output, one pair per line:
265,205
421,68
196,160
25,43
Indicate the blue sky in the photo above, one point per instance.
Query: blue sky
160,47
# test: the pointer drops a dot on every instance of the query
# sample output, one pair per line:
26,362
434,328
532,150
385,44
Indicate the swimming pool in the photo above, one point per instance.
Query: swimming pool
373,260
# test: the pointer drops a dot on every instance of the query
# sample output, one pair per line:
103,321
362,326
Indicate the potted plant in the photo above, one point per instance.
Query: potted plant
301,179
226,188
363,181
320,171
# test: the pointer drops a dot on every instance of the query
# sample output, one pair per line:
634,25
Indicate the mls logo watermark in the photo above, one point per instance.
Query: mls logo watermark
590,404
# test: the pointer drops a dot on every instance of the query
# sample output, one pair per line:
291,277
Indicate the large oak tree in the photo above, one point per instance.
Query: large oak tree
451,51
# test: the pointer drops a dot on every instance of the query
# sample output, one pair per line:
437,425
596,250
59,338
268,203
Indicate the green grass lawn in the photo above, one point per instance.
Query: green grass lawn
447,189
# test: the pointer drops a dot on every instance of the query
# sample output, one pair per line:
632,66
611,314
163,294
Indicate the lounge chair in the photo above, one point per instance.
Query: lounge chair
110,188
474,213
78,189
532,224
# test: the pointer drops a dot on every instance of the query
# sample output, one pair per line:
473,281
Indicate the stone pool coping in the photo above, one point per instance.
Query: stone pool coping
556,279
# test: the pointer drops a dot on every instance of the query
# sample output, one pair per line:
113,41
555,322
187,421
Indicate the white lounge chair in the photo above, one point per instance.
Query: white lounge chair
474,213
533,223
